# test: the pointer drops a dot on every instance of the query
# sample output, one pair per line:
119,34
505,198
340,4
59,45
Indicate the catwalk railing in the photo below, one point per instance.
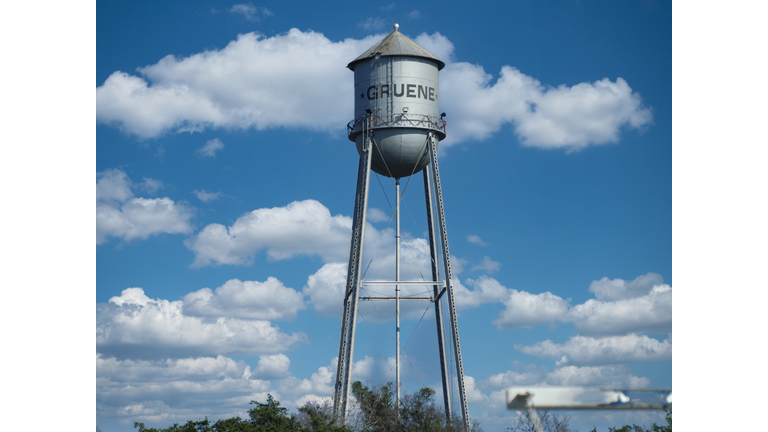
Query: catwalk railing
399,120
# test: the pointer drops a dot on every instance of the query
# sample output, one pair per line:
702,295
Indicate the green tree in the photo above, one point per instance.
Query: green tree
264,417
628,428
376,405
374,409
190,426
417,411
271,416
319,418
235,424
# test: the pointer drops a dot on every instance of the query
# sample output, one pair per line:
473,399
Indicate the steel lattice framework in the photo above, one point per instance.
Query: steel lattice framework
432,188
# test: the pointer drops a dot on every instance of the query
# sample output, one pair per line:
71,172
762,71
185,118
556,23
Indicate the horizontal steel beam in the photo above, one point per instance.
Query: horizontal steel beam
401,283
395,298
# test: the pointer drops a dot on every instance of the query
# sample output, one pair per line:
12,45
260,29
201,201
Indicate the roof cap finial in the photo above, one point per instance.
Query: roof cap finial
397,26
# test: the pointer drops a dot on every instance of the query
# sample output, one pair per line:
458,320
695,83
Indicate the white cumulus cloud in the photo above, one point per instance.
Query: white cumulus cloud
325,289
268,300
113,185
525,310
307,228
618,289
376,215
437,44
589,351
320,384
546,117
641,305
603,376
133,325
529,376
473,393
649,313
486,290
302,227
120,214
272,367
261,82
254,82
174,389
378,370
569,375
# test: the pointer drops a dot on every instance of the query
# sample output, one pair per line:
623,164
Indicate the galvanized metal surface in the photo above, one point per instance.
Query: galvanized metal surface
449,281
433,188
409,283
396,131
396,86
427,174
397,296
394,44
354,274
398,152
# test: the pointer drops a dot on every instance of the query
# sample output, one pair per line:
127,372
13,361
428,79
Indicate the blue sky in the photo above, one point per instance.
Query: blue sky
56,53
225,187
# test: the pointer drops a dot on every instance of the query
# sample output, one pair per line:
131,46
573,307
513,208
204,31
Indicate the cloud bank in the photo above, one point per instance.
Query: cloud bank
253,82
563,117
175,389
308,228
169,390
135,326
604,376
589,351
262,82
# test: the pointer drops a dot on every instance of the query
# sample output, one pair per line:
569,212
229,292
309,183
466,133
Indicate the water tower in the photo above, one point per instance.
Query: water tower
396,129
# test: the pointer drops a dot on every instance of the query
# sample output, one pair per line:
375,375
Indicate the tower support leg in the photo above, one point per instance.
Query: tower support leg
397,298
448,280
427,173
351,295
431,175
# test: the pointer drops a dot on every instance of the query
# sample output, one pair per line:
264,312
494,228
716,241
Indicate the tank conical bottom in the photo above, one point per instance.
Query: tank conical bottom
399,152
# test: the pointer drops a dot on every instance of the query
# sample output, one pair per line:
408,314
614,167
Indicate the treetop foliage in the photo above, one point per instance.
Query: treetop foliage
373,409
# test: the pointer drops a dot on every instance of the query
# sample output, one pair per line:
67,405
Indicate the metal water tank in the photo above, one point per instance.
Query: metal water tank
396,89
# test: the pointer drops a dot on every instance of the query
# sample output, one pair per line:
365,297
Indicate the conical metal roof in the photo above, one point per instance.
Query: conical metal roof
396,44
